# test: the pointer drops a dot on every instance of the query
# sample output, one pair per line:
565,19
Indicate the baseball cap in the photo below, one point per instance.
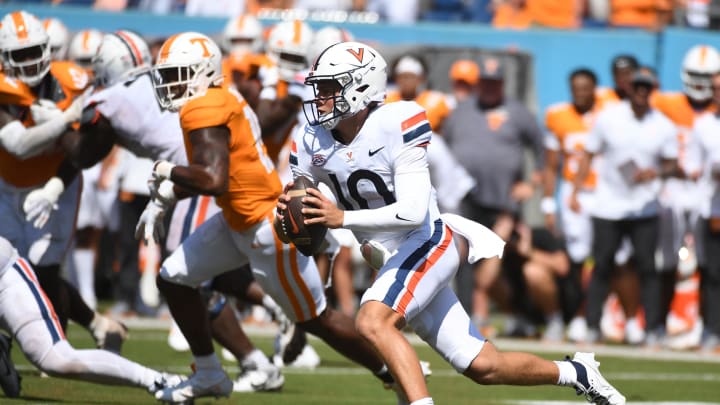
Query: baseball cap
643,77
624,61
465,70
491,68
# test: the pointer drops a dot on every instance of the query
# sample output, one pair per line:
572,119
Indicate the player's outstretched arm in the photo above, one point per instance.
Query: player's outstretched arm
92,142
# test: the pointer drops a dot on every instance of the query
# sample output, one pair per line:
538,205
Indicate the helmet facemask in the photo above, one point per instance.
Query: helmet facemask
341,106
697,86
29,64
177,84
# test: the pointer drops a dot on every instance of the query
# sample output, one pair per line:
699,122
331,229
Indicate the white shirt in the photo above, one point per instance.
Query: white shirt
707,135
142,127
381,178
626,142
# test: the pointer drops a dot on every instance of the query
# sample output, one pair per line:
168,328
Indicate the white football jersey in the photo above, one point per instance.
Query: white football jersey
361,174
142,127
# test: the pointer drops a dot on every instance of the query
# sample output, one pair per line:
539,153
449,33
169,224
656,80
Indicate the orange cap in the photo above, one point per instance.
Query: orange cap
465,70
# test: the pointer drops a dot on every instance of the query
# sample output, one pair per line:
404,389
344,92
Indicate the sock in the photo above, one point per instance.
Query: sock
554,317
209,361
424,401
255,359
568,373
85,273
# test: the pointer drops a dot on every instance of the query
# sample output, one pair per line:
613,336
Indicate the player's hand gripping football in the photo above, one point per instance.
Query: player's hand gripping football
283,201
325,211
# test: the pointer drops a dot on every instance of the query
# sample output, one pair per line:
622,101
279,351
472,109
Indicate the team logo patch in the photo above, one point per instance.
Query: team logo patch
318,160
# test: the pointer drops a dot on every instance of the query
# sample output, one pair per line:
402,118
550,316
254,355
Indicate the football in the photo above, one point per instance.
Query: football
308,239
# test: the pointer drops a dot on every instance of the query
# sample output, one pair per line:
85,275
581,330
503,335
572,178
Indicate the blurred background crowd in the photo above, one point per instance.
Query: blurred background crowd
607,199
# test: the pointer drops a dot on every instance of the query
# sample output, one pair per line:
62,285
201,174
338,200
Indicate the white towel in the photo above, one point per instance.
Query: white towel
483,243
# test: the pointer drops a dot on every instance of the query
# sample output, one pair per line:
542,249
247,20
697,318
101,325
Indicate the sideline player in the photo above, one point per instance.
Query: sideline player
228,160
374,160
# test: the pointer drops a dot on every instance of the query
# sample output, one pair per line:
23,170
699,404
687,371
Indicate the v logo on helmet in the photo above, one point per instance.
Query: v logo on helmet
202,42
357,54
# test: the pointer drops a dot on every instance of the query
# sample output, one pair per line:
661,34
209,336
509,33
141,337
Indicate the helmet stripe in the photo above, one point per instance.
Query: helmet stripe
46,24
20,27
132,47
240,22
165,50
297,31
703,54
85,40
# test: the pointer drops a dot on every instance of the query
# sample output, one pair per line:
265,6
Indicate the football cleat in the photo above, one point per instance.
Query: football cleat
203,383
165,380
108,333
266,379
9,377
591,383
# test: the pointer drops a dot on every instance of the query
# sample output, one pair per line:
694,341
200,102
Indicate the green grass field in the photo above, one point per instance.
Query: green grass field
338,381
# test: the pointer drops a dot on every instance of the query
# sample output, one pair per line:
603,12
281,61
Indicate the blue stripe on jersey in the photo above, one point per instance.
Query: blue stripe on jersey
406,267
187,223
419,131
293,160
41,304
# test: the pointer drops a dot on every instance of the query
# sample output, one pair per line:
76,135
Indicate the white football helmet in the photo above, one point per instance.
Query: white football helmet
121,55
325,37
361,73
25,47
187,65
700,64
84,46
288,47
242,34
59,37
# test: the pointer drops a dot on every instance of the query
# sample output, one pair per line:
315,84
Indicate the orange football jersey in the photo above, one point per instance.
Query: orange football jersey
69,81
571,130
677,107
433,102
254,185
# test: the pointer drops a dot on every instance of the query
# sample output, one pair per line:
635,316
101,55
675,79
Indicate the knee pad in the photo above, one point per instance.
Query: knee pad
60,360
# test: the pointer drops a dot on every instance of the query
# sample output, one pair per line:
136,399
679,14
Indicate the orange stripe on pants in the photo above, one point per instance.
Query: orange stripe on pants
301,283
422,270
284,281
31,275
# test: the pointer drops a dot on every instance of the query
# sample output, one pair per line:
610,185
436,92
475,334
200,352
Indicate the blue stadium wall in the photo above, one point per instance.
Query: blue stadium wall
555,53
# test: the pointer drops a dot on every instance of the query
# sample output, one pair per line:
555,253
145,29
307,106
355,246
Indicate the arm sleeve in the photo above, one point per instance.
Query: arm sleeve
300,160
412,192
28,142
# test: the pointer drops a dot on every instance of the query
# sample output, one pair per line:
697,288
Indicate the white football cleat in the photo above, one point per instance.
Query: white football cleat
591,383
203,383
108,333
165,380
268,379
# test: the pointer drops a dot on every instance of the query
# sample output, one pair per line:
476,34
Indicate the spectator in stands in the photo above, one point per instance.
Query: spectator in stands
623,68
638,146
463,75
488,136
512,14
561,14
395,11
648,14
409,74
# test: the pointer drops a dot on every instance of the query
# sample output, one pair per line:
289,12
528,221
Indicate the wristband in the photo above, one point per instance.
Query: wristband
163,169
548,205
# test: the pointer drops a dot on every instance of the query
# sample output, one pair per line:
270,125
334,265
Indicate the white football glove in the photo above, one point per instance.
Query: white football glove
150,225
74,111
39,204
44,110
